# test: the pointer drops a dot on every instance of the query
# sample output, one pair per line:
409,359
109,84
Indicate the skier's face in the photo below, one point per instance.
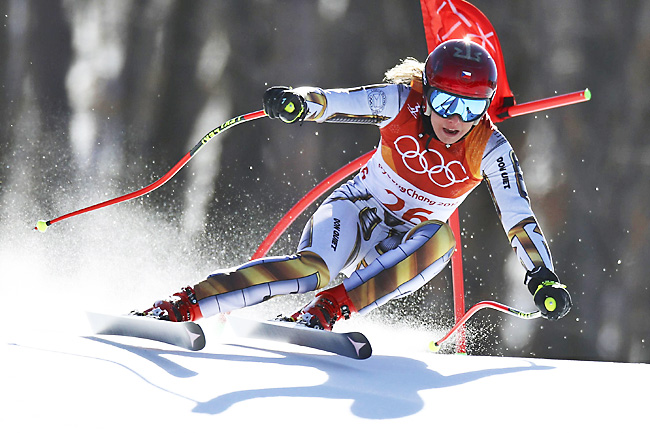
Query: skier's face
450,129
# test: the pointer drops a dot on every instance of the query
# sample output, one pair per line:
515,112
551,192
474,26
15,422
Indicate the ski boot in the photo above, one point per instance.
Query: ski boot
325,309
180,307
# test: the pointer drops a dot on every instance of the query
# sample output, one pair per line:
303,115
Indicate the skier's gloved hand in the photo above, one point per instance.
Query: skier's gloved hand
281,102
551,297
553,300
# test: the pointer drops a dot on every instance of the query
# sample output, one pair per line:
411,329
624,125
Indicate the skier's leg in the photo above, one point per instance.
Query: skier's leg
260,280
246,285
425,251
330,239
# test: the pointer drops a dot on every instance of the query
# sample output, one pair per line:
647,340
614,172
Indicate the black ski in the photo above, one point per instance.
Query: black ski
350,344
187,335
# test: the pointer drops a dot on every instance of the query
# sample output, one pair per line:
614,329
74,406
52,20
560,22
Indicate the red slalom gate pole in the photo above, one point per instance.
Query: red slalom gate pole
458,282
545,104
313,195
342,173
457,260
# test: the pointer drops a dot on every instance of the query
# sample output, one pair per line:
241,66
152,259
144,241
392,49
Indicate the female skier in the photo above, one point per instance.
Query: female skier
385,229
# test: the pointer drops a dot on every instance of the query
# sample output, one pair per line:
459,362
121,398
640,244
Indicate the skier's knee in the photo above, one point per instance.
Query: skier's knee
310,259
435,236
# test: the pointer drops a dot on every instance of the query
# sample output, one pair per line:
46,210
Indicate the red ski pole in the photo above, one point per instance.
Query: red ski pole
435,345
42,225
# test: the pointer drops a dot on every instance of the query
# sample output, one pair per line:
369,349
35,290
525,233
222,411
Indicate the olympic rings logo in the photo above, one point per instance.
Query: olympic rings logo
441,174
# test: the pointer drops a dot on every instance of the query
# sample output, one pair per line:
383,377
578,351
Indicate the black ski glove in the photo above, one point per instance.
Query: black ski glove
281,102
551,297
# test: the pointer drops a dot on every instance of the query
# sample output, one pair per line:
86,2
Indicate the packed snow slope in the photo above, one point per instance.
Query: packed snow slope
57,375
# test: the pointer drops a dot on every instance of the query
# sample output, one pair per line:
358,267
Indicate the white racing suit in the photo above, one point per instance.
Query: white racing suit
386,229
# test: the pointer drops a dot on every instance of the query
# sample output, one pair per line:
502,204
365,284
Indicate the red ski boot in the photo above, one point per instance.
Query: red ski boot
327,307
180,307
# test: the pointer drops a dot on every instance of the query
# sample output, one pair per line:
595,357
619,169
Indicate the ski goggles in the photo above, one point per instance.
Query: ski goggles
446,105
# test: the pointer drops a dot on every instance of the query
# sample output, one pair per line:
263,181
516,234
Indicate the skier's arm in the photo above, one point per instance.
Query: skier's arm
506,184
377,104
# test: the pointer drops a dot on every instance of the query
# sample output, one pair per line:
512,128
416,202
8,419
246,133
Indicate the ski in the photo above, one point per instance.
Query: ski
187,335
349,344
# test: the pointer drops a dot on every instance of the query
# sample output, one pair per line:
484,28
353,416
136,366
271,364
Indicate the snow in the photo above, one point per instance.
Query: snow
57,374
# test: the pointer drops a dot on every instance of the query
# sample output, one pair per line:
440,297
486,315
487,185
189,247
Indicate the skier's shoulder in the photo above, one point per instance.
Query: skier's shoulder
409,102
494,139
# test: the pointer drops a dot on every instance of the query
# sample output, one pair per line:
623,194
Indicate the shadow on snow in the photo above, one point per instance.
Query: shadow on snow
382,387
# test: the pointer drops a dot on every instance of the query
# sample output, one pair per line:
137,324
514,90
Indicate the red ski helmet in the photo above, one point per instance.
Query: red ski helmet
462,68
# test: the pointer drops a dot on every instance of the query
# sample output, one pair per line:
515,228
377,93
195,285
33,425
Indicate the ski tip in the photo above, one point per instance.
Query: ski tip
361,345
196,336
366,352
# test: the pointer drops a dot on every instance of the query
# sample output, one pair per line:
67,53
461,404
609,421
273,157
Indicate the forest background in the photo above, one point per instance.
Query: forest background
99,98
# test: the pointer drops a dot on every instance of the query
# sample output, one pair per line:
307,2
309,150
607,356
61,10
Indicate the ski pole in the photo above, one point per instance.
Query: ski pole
434,346
42,225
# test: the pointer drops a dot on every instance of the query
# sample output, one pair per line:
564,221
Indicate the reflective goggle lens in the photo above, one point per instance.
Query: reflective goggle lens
446,105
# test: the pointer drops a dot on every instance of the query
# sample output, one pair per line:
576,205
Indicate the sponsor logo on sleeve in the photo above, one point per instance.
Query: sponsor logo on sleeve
376,100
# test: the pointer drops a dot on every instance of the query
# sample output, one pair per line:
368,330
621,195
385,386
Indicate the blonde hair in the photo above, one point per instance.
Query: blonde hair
405,72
